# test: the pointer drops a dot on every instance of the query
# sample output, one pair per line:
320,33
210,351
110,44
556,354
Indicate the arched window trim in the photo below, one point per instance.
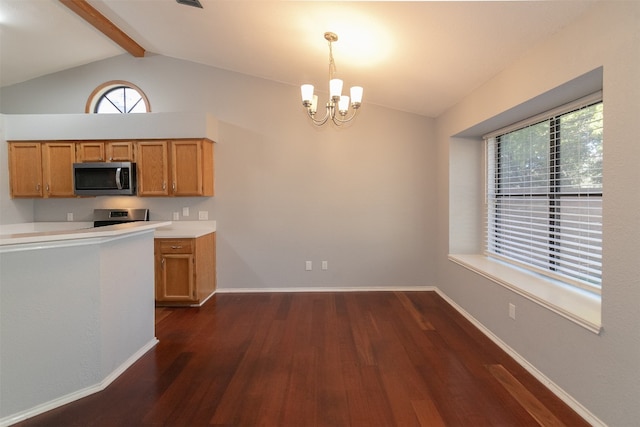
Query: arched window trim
101,90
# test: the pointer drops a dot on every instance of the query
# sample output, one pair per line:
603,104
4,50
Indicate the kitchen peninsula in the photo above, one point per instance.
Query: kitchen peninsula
76,309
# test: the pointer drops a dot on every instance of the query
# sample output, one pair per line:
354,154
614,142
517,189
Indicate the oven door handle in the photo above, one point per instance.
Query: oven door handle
118,180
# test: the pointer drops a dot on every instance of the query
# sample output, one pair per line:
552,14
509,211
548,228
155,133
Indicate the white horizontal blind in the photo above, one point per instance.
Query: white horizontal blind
544,196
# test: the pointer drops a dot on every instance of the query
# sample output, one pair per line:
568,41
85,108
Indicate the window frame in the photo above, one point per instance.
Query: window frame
99,93
553,193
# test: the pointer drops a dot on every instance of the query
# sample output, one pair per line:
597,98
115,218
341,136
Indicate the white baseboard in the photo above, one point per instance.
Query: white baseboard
327,289
555,389
79,394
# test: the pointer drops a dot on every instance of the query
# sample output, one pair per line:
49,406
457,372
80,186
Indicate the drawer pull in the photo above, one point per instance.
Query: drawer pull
176,247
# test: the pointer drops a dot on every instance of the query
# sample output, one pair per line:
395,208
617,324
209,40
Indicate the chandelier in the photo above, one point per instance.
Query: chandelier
337,107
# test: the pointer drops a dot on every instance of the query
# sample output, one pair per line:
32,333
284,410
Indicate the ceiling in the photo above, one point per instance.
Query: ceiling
420,57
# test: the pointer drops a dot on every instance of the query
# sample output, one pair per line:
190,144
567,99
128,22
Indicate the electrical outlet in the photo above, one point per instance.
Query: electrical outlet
325,265
185,211
512,311
69,216
203,215
308,265
176,216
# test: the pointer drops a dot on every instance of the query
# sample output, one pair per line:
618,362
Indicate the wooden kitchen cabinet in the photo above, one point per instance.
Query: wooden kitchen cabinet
105,151
185,270
41,169
165,168
179,167
90,151
25,169
57,168
119,151
153,168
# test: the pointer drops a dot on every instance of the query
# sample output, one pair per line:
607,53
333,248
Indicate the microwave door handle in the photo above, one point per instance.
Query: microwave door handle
118,176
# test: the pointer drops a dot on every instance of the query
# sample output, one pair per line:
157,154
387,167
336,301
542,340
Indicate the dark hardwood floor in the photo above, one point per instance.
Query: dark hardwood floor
319,359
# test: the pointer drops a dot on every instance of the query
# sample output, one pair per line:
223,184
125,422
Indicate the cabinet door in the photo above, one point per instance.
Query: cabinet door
175,275
192,167
25,169
91,151
119,151
186,168
205,259
153,166
57,168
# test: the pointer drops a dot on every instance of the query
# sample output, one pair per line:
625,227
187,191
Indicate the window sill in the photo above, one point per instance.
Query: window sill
577,305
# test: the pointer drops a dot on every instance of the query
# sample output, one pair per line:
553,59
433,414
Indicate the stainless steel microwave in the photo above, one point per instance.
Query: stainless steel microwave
104,179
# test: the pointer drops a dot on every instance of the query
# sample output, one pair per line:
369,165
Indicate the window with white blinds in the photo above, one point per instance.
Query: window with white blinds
544,194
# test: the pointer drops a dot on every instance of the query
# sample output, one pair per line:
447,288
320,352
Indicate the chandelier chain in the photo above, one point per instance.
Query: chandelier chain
332,63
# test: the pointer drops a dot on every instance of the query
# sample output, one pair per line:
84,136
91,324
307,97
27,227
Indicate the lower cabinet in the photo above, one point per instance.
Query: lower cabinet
185,270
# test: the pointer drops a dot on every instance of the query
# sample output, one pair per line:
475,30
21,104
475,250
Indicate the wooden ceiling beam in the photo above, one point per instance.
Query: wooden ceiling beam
108,28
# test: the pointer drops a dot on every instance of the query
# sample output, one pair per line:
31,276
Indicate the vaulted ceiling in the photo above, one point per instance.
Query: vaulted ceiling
420,57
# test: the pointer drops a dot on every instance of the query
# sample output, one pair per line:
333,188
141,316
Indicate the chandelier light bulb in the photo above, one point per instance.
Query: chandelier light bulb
343,105
356,95
307,94
335,89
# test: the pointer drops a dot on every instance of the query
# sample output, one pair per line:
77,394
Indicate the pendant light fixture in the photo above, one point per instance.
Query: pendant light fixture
337,108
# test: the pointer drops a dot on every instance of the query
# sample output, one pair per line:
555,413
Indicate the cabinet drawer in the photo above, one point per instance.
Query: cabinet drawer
174,246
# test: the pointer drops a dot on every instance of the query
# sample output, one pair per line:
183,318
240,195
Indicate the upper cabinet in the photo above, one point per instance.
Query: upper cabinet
173,150
57,168
90,151
41,169
25,169
178,167
119,151
153,168
165,168
188,180
105,151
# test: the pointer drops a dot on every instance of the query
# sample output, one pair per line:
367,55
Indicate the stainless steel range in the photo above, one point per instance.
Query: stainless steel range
102,217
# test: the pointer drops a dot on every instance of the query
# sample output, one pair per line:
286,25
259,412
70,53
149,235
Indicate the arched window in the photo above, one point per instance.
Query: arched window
117,97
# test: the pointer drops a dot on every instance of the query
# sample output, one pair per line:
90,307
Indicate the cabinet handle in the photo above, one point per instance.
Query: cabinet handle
173,186
164,186
37,187
176,247
162,262
47,188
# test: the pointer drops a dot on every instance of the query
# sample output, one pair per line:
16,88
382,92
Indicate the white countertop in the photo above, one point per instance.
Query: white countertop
42,232
185,229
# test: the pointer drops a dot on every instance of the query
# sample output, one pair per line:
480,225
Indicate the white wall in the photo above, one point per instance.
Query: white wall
361,198
11,211
600,371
